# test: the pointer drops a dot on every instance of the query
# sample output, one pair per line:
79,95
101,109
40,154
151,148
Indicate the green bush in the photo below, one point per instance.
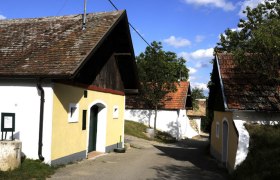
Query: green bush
29,169
138,130
135,129
263,159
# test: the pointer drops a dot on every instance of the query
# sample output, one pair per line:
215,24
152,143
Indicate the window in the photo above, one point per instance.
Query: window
115,112
84,125
217,129
85,94
73,114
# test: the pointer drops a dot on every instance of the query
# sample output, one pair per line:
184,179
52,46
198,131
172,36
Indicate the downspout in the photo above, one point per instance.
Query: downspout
42,101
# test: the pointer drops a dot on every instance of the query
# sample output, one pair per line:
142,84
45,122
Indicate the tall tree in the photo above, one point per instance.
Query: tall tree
197,93
255,45
158,71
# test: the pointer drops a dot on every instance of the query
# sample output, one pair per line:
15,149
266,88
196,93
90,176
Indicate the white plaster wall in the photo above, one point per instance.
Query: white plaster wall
139,115
173,121
23,99
190,131
243,142
47,131
198,122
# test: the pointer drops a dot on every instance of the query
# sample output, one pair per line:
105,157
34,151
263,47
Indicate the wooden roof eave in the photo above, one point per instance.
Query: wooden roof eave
132,54
221,83
131,91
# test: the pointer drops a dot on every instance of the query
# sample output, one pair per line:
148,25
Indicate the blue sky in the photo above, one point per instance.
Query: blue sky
190,28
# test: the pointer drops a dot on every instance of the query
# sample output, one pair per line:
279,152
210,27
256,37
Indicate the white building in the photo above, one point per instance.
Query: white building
171,116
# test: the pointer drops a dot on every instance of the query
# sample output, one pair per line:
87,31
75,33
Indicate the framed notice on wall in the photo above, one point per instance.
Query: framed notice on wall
8,122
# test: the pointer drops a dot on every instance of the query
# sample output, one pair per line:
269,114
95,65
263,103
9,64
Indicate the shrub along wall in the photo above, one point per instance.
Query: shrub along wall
263,159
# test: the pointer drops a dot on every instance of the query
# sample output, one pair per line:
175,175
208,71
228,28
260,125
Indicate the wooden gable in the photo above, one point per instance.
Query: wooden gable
109,77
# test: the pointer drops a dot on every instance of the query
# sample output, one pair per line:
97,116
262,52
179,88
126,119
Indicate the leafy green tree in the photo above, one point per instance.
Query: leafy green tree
158,71
197,93
256,44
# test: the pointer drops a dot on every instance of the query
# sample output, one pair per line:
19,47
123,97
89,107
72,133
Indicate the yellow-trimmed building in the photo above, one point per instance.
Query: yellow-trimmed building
238,97
66,82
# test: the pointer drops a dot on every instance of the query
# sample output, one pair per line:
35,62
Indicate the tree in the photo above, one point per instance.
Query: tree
158,71
197,93
256,44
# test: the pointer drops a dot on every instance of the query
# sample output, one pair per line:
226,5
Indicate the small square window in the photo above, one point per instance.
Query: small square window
85,94
115,112
73,114
217,129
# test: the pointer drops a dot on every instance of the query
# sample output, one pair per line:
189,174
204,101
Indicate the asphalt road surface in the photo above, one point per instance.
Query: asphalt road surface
149,160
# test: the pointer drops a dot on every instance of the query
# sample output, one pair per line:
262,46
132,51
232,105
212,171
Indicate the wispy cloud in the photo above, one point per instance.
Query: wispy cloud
223,4
2,17
192,70
198,54
177,41
192,78
250,3
199,38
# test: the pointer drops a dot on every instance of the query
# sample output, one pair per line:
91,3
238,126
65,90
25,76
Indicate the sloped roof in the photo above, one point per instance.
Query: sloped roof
246,90
177,100
201,111
172,100
51,46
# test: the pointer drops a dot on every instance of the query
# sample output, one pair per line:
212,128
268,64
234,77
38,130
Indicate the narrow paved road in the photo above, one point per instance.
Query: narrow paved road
185,160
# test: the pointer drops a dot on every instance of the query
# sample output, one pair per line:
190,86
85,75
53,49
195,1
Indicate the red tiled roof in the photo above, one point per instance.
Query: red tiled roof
177,100
51,46
245,90
173,100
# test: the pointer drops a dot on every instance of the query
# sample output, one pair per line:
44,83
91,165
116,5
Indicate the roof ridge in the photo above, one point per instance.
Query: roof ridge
64,17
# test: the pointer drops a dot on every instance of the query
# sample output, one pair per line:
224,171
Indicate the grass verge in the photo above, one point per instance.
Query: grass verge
262,161
138,130
29,169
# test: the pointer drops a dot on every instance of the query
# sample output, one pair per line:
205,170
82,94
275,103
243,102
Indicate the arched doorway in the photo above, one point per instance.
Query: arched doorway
225,143
97,128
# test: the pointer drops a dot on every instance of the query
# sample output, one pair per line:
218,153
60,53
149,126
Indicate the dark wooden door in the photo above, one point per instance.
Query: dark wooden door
93,128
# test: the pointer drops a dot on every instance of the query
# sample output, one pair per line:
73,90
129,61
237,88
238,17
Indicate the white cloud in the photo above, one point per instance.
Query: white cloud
224,4
192,78
192,70
250,3
198,54
199,85
177,42
199,38
2,17
202,53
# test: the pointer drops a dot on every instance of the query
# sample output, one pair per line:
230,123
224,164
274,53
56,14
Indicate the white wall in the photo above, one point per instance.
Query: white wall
23,99
174,122
243,142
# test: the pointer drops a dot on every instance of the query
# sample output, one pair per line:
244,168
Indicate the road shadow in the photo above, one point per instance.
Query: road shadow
199,164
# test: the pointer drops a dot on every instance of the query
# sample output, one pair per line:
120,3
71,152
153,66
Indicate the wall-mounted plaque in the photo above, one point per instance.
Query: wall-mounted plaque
8,122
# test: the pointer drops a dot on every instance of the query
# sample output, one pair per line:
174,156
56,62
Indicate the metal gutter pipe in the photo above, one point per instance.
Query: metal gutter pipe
42,101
